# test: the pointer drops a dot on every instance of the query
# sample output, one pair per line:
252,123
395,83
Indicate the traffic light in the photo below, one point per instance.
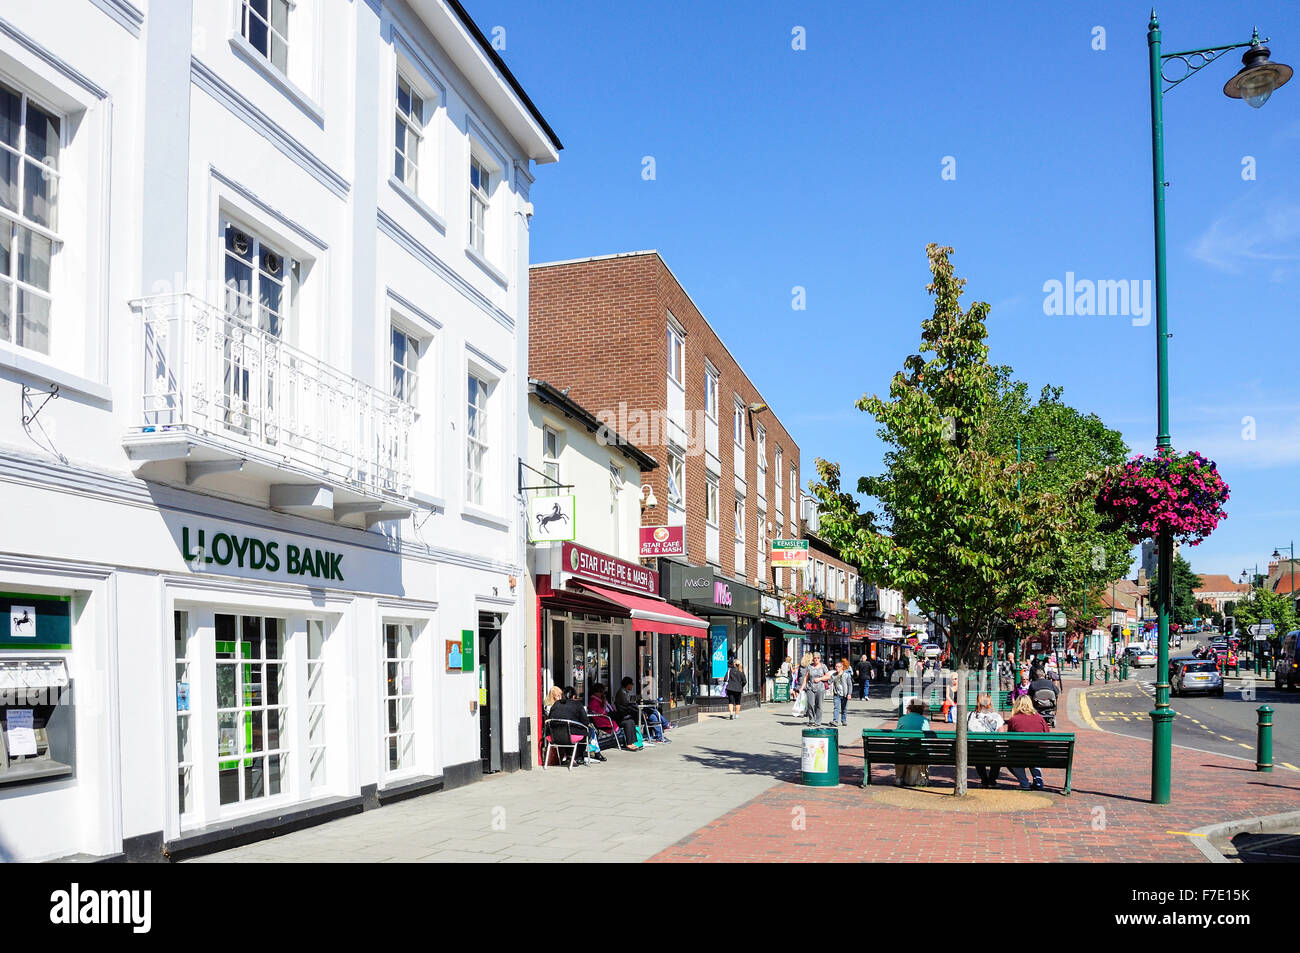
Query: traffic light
1115,632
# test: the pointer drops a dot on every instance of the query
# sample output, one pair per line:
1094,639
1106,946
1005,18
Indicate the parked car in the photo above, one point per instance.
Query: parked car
930,650
1196,675
1288,662
1139,655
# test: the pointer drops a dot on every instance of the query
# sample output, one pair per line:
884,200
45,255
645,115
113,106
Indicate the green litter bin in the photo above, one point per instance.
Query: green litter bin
821,757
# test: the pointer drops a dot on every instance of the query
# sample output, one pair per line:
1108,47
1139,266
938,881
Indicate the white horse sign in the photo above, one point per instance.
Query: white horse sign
551,519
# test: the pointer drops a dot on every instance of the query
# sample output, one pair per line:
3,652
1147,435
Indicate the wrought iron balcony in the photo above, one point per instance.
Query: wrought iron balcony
226,395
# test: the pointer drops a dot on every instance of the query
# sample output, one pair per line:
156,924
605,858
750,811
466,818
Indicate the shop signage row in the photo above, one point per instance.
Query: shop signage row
248,552
599,567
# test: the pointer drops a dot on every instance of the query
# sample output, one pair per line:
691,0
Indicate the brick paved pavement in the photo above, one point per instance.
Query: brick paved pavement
1107,818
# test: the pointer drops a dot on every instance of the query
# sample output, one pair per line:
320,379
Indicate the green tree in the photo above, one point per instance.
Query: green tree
1264,604
1081,446
954,531
1185,581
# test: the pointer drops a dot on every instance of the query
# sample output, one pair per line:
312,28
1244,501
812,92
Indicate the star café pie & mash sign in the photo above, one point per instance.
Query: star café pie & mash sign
663,541
598,567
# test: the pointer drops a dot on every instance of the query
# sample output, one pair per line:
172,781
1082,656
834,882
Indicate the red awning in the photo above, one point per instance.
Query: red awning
650,613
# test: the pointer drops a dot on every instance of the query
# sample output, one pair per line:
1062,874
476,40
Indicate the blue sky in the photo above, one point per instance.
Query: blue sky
821,168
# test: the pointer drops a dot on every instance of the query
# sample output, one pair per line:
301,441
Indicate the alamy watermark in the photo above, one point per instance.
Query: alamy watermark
1130,298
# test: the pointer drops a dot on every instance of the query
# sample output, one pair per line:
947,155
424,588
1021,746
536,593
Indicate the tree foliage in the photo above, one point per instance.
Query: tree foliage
1264,604
953,530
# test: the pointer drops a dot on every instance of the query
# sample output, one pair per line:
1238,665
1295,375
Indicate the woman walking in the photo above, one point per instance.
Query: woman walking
815,678
735,685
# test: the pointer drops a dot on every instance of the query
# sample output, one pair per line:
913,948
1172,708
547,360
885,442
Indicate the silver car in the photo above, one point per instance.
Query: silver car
1196,675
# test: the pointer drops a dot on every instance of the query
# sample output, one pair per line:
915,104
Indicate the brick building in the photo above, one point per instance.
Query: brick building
625,338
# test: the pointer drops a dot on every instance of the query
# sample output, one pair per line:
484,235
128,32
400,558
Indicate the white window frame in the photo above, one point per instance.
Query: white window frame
247,15
284,708
676,342
760,451
412,123
17,220
761,545
551,461
711,500
676,482
405,729
480,204
711,383
410,368
739,521
480,438
738,422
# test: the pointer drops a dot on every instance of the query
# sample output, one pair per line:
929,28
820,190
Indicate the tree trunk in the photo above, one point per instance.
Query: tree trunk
962,669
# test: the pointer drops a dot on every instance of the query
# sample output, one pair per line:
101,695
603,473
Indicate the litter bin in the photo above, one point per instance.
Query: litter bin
821,757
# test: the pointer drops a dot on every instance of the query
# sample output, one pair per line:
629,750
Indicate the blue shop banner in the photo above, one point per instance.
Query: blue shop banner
718,639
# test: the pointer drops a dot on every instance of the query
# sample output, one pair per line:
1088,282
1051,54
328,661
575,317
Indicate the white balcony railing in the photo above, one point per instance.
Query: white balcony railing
212,372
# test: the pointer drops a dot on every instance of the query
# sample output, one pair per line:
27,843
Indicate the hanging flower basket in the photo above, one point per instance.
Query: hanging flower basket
802,607
1182,493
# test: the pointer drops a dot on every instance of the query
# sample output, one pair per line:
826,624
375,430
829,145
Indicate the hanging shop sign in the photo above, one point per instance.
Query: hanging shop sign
791,553
201,549
35,621
663,541
552,518
770,605
598,567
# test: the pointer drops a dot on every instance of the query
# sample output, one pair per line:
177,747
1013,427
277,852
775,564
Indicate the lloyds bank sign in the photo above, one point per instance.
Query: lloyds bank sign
201,548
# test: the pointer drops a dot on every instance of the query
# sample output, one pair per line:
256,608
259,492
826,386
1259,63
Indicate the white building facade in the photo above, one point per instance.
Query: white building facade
264,307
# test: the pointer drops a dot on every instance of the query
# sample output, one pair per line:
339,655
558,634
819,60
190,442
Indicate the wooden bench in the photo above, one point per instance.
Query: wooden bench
1003,749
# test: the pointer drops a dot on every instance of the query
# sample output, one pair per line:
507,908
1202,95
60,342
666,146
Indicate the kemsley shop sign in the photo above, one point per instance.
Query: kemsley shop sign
202,548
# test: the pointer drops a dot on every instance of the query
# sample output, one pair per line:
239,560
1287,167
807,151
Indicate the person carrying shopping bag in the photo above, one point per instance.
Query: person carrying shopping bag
815,679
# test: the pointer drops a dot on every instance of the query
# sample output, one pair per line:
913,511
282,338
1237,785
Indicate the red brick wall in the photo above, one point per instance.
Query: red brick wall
600,328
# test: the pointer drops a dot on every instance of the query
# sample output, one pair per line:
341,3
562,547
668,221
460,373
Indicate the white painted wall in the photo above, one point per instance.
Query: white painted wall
170,124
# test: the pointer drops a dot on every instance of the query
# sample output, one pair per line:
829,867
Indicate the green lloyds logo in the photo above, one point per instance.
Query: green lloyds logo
251,553
573,559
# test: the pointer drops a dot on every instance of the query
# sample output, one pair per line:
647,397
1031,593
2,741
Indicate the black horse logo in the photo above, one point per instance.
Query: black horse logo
23,620
544,519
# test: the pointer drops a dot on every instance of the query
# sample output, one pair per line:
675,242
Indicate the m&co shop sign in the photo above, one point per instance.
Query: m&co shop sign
598,567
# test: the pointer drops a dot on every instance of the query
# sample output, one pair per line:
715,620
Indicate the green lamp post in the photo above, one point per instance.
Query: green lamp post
1254,82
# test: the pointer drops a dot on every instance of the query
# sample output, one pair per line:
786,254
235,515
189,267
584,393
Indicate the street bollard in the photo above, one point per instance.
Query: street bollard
1091,672
1264,756
1106,672
1256,655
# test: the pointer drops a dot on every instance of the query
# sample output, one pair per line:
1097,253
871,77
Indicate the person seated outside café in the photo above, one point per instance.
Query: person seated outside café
565,705
913,775
607,718
625,707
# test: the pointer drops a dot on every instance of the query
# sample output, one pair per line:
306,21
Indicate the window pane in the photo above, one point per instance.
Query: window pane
225,686
40,186
42,135
255,24
11,115
6,319
33,322
34,253
9,181
403,96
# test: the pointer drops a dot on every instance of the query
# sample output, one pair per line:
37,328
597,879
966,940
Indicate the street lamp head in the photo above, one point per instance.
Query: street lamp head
1276,554
1258,77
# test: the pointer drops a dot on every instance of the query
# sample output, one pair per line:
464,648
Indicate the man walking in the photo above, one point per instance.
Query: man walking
864,675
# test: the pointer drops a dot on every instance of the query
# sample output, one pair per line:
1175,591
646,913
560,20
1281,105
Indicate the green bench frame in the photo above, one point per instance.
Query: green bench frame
1002,749
1001,700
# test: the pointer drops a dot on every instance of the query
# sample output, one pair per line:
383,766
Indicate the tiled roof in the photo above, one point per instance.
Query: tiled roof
1219,582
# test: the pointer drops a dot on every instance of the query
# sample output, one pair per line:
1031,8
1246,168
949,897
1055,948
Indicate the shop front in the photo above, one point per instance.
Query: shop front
701,659
251,673
778,646
604,620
